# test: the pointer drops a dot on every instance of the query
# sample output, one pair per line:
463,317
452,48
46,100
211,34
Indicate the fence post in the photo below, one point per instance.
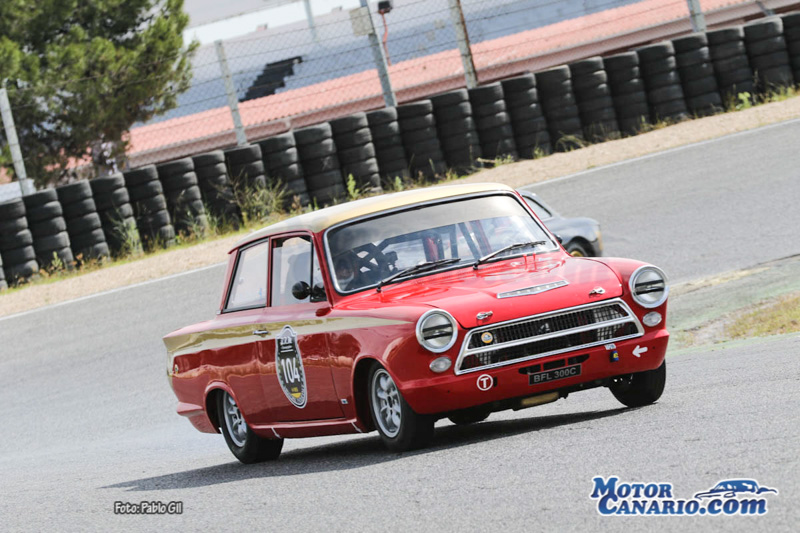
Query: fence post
697,17
457,14
233,102
361,20
25,185
310,19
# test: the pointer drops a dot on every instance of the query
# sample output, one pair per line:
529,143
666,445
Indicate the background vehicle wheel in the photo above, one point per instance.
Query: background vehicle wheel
400,428
469,417
244,444
577,250
642,388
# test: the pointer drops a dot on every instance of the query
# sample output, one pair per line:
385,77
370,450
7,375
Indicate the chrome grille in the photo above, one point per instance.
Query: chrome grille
548,334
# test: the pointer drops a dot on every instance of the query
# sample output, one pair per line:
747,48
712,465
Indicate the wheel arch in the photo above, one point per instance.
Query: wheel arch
210,403
361,390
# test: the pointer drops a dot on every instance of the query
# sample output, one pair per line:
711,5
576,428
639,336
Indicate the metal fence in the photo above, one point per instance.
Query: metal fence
300,74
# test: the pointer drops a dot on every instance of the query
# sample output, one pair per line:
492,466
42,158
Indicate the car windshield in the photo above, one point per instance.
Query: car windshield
366,252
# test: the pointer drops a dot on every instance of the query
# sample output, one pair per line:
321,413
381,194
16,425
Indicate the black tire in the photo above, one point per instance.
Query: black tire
184,196
776,59
388,130
642,388
175,168
577,249
762,29
10,241
553,78
354,155
349,139
21,271
696,72
324,180
453,113
152,204
84,224
74,192
415,109
79,208
211,171
39,199
112,200
146,190
490,109
725,35
413,431
177,182
766,46
623,61
243,155
586,66
391,154
723,51
661,66
691,42
19,255
13,226
527,127
277,143
360,169
382,116
584,82
701,86
417,123
449,99
412,138
48,227
45,212
249,173
51,243
693,57
320,164
253,448
107,185
493,121
12,209
655,52
284,158
353,122
519,84
140,176
469,416
486,94
208,159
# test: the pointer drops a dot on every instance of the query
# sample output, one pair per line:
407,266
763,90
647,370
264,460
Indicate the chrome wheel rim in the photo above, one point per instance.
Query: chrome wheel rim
577,253
386,403
234,421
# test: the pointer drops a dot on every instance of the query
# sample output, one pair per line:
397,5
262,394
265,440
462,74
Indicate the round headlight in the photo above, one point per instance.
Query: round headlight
436,331
648,286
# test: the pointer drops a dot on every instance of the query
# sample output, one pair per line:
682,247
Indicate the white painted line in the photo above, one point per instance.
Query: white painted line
112,291
698,144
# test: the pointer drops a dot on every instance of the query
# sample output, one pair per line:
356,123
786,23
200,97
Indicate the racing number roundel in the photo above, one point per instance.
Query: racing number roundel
289,367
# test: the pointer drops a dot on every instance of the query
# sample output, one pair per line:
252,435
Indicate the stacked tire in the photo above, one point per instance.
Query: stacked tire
388,143
696,72
628,92
16,243
150,207
457,134
216,188
731,65
184,199
560,108
527,118
493,122
49,229
421,140
593,95
245,167
86,236
116,214
282,165
353,140
321,168
769,58
791,33
659,71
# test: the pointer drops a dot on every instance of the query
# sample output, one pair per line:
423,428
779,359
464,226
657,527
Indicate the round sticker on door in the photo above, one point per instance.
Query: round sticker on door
289,367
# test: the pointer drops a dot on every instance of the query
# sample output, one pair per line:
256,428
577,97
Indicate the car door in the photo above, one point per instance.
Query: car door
297,378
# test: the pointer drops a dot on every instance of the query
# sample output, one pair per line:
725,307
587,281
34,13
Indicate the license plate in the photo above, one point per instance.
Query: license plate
552,375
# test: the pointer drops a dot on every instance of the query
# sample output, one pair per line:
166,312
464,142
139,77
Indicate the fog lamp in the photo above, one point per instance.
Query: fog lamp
440,364
652,319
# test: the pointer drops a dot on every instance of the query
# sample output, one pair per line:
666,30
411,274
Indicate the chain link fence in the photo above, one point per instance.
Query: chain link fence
300,74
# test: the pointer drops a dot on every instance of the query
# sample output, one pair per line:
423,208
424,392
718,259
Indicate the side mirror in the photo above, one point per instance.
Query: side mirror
301,290
558,238
318,293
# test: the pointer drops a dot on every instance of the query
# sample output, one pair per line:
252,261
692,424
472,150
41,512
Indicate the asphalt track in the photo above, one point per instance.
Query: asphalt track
88,418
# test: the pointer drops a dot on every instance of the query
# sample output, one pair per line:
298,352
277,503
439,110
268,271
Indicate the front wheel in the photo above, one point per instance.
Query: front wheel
642,388
400,428
242,441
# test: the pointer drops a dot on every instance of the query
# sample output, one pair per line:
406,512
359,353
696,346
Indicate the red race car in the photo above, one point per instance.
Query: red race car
391,312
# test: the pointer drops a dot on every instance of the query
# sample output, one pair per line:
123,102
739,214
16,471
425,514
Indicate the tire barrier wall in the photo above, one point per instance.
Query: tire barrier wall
216,188
356,152
150,207
116,214
16,243
86,236
525,116
455,125
184,199
49,229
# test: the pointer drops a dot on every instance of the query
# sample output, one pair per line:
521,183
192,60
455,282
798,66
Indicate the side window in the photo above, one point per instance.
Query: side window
540,211
249,285
296,274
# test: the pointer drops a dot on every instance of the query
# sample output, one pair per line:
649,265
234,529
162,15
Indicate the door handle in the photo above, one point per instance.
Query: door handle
261,332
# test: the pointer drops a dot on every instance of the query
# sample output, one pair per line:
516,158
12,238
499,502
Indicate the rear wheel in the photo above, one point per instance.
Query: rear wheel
400,428
577,250
242,441
642,388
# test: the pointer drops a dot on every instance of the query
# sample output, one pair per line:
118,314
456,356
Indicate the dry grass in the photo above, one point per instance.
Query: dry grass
778,316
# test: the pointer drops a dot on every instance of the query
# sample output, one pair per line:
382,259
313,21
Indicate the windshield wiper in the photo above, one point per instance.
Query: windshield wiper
422,267
506,249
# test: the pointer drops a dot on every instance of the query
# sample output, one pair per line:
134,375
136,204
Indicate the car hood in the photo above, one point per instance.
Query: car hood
466,292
